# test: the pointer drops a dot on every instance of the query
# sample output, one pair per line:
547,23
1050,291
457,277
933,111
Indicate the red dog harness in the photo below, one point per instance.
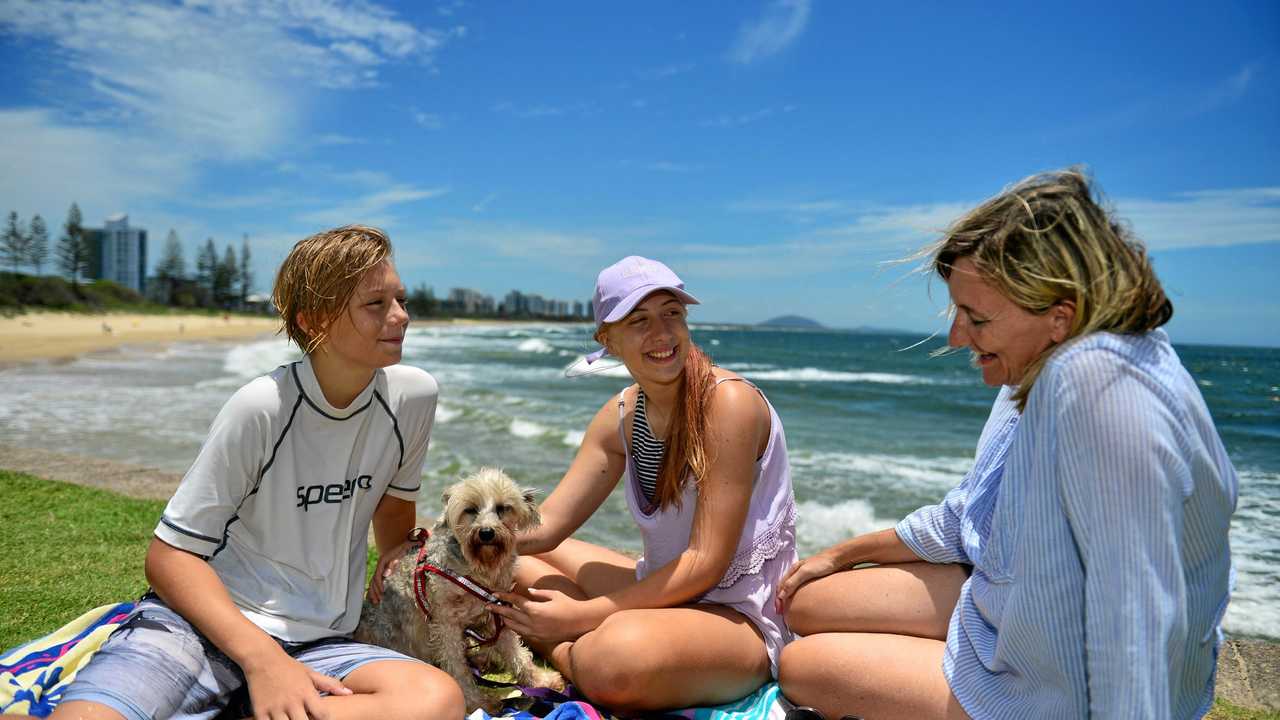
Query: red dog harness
474,588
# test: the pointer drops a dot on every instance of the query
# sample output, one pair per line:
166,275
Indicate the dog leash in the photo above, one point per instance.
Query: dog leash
477,590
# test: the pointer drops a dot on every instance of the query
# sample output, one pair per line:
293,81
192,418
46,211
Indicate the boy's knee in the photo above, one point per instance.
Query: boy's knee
427,693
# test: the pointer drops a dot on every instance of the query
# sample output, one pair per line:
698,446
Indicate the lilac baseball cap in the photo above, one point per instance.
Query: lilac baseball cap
624,284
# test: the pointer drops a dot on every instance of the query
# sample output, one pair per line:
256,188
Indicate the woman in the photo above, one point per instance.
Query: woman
1082,565
704,463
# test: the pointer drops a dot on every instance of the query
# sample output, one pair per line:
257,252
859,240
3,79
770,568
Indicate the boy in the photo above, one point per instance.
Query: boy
257,565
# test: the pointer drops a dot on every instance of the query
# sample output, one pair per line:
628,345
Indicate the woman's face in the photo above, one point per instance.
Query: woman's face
653,340
1004,338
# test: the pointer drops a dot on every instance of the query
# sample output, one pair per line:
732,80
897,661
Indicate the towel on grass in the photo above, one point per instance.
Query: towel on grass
33,676
766,703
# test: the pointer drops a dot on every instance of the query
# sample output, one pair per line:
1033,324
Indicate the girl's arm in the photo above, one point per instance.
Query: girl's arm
591,477
739,422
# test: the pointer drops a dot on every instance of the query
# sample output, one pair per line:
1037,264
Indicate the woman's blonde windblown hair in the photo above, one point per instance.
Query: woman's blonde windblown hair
1046,240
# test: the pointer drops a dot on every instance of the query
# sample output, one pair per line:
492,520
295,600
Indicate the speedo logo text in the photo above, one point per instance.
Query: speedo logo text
332,493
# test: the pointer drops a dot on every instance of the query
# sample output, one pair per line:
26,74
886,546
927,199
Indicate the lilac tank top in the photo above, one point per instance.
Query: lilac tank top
766,549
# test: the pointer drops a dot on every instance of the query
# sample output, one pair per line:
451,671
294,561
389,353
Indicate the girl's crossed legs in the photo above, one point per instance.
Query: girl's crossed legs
646,660
873,642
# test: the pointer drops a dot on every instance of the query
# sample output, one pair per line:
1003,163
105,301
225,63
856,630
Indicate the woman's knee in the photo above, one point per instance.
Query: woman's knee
612,665
799,670
806,613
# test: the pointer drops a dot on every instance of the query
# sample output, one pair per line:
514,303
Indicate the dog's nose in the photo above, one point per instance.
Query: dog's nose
486,534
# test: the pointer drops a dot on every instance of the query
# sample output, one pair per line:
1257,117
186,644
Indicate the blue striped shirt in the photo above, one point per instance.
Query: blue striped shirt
1096,524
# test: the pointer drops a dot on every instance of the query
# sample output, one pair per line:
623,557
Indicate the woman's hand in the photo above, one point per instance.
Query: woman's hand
386,565
810,568
282,687
548,617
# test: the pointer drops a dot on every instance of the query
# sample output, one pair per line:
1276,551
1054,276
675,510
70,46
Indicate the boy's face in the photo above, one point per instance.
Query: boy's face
369,334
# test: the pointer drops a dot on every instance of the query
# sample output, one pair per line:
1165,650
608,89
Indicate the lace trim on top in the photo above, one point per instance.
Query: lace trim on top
763,549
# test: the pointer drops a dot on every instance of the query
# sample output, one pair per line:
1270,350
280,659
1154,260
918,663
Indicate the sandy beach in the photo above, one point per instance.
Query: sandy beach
56,336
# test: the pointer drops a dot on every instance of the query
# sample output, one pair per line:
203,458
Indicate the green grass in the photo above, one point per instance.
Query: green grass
1223,710
67,549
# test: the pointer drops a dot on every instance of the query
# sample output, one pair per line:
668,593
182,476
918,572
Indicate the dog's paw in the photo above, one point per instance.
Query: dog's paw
547,678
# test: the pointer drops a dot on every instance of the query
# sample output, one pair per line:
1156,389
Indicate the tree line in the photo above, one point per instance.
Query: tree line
224,281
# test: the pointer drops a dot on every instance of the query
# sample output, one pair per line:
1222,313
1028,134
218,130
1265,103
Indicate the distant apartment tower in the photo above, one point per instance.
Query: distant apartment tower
118,253
470,302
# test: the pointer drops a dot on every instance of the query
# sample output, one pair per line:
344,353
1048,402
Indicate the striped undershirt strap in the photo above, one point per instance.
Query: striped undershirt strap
646,450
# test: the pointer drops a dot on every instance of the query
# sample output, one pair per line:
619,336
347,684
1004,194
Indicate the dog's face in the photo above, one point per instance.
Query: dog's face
484,512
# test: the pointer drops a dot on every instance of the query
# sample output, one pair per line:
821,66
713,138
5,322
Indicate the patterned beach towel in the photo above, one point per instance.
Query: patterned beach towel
765,703
33,676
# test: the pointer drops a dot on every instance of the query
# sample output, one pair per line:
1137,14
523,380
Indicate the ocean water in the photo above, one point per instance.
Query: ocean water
873,430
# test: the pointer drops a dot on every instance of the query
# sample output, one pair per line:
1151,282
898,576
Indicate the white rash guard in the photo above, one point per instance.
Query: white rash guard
282,493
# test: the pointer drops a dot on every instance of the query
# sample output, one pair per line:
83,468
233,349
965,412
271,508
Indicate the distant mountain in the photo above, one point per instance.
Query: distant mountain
793,321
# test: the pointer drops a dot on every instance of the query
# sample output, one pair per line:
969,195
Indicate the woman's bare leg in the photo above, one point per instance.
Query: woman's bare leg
628,663
905,599
873,644
873,675
650,660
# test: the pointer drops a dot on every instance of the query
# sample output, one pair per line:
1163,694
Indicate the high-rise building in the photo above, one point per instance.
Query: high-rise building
118,253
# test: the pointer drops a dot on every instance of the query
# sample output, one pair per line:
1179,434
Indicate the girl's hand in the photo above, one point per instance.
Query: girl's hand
547,617
810,568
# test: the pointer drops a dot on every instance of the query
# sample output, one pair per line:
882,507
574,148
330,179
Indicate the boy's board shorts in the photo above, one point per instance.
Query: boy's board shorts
156,665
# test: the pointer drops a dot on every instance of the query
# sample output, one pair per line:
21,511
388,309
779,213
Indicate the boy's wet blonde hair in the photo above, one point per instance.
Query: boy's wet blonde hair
1047,239
316,281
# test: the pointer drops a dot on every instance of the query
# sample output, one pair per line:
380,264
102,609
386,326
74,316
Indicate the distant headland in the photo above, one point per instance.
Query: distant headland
793,321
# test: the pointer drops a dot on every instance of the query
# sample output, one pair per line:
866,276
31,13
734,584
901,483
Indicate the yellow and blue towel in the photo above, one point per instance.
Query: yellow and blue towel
33,676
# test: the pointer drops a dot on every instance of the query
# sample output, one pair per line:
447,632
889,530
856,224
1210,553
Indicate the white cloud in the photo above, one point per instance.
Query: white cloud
668,70
227,79
430,121
672,167
371,209
48,165
1205,218
740,119
783,22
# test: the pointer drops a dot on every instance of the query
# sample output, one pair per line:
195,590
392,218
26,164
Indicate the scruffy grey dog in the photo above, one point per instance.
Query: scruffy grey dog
474,537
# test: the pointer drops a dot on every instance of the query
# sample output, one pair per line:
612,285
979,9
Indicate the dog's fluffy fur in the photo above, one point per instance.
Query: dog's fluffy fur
475,536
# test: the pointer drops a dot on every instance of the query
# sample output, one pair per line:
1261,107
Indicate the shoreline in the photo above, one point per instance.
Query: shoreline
44,336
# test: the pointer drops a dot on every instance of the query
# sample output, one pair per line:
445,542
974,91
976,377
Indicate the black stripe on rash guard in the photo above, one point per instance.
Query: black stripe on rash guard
395,425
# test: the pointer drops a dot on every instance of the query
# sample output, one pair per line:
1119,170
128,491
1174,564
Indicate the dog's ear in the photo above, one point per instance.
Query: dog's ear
530,497
444,496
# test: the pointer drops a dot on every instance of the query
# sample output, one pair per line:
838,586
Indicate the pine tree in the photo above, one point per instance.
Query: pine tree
73,251
206,264
225,275
172,266
13,244
246,275
38,244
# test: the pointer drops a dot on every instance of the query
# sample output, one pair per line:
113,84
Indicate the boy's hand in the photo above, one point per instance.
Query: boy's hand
386,565
285,689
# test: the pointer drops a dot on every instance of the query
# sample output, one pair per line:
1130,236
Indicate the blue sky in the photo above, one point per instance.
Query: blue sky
774,153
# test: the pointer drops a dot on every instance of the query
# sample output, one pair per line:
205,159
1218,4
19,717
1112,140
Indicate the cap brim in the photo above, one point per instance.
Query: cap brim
628,304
